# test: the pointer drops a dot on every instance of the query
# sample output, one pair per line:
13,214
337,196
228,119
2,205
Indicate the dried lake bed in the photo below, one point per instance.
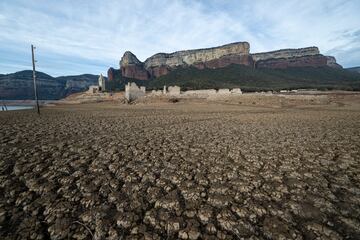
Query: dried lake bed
252,167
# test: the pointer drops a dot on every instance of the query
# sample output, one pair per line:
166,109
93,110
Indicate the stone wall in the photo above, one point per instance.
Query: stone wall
223,91
133,92
211,92
200,93
173,90
236,91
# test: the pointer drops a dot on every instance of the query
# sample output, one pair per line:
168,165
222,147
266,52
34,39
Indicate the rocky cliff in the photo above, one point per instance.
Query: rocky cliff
331,62
286,53
192,57
162,63
301,57
218,57
131,67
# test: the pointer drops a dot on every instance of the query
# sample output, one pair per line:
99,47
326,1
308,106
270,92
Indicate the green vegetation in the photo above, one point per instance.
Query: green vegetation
248,79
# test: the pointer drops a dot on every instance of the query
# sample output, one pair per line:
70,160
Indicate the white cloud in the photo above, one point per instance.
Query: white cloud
103,30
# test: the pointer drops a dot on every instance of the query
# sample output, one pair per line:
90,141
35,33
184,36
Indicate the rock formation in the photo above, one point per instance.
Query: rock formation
111,74
218,57
286,53
301,57
331,62
303,61
131,67
192,57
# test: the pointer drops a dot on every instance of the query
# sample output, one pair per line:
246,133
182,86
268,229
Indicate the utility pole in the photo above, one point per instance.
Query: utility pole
34,78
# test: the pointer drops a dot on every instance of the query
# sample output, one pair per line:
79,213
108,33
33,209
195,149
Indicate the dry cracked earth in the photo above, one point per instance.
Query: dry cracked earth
180,171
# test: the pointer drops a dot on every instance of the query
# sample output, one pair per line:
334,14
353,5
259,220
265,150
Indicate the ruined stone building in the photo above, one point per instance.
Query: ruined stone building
102,83
133,92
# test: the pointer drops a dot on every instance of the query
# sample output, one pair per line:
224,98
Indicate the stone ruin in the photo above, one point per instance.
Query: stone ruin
93,89
204,93
133,92
170,91
157,92
236,91
223,91
173,90
101,81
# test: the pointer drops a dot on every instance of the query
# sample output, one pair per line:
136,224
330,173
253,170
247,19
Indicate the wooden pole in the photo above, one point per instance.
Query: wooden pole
4,106
34,78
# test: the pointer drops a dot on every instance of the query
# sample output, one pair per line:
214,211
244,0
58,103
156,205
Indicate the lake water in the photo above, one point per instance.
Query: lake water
13,108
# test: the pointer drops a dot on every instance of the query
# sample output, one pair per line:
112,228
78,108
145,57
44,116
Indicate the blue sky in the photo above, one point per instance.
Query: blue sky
75,36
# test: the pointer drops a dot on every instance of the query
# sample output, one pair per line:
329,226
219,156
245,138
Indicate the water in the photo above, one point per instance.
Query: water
13,108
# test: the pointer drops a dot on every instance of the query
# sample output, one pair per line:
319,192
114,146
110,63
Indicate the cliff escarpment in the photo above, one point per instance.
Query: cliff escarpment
162,64
192,57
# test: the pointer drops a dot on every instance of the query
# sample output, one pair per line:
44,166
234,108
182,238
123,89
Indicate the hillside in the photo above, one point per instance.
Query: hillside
354,69
250,79
19,85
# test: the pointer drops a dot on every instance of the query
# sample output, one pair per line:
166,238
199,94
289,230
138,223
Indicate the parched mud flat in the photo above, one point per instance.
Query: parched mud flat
181,171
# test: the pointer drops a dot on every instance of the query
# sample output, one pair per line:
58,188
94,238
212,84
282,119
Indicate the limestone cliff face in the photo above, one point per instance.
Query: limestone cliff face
111,74
131,67
301,61
191,57
331,62
301,57
286,53
129,59
226,61
218,57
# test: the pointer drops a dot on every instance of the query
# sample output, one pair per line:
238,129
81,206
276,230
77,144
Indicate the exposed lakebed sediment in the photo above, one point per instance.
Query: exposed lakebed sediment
180,171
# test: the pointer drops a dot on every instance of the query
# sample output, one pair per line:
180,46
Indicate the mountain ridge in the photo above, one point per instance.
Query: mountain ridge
161,64
354,69
19,85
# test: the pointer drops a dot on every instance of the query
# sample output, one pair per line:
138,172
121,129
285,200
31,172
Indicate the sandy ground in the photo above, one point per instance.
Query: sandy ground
250,167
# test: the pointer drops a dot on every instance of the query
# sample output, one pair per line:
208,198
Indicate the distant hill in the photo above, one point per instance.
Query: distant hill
249,79
354,69
19,85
